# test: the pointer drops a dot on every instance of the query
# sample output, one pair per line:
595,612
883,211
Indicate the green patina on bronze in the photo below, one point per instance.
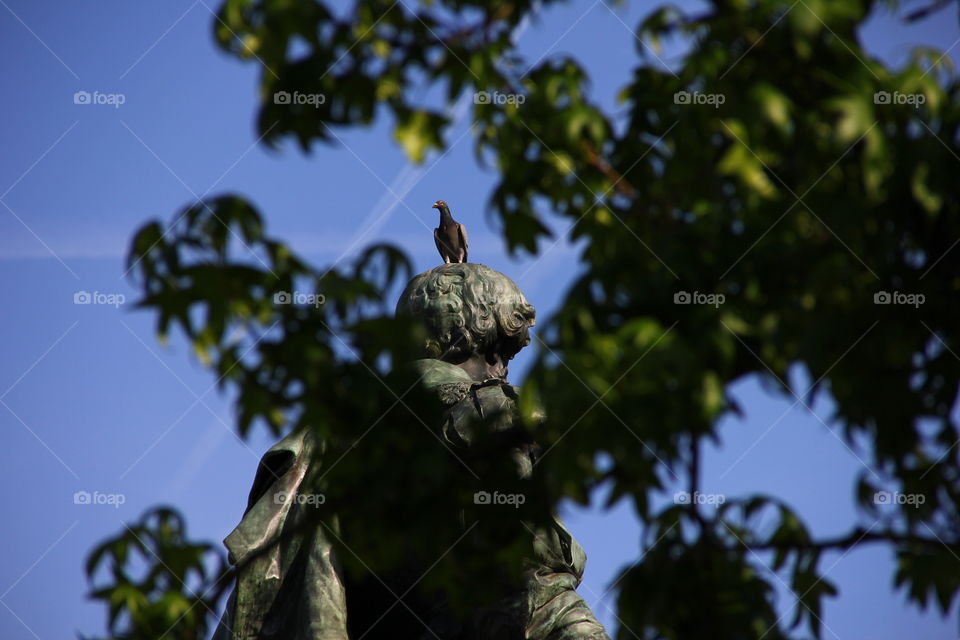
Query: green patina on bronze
290,587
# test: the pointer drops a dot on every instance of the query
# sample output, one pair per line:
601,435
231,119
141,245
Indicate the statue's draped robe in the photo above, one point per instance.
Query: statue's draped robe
292,589
287,588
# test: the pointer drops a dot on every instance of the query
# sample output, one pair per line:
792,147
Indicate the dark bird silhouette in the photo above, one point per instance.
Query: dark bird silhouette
450,236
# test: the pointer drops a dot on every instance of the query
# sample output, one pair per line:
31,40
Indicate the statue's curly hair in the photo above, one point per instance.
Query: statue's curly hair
469,309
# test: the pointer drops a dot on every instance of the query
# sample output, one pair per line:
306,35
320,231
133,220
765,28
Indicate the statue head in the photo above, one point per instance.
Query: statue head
470,311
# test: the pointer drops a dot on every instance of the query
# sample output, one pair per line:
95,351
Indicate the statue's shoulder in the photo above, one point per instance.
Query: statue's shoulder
435,372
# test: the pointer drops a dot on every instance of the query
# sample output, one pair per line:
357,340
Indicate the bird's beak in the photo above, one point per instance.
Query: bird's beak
435,206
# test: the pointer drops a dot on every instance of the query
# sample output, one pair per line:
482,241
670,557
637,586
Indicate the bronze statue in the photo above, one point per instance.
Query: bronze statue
290,587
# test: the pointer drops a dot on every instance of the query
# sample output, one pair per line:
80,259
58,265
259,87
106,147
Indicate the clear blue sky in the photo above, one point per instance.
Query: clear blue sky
91,402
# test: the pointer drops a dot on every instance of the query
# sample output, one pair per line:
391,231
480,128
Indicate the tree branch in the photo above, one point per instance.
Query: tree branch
851,540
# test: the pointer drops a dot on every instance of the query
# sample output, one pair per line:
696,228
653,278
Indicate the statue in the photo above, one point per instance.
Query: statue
291,588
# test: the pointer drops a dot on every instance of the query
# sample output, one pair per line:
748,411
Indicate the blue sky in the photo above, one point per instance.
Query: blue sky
92,402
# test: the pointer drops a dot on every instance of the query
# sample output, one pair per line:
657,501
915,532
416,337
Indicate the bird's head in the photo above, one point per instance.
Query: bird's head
440,204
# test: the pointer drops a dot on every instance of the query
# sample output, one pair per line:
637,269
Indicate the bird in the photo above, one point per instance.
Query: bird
450,236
